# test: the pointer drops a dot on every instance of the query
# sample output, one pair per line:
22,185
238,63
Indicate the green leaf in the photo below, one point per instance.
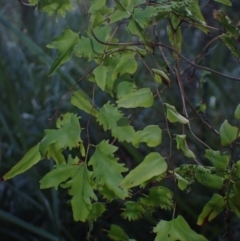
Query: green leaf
233,199
106,169
140,98
237,112
219,161
144,16
161,77
127,64
232,44
81,100
33,2
133,211
118,15
226,2
151,134
97,210
158,196
153,165
65,45
228,133
116,233
67,134
175,33
108,194
211,209
181,144
58,175
96,5
125,87
82,193
90,47
111,118
31,158
176,229
100,76
174,116
57,7
209,180
56,154
182,182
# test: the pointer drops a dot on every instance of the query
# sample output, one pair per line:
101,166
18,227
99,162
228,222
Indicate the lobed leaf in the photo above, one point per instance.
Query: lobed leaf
176,229
56,7
158,197
82,193
106,170
132,211
219,161
65,45
67,134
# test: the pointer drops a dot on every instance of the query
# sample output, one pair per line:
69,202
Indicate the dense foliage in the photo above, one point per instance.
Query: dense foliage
139,138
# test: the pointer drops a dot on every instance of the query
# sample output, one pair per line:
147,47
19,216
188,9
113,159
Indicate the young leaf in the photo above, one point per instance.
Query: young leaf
212,208
100,76
158,196
133,211
228,133
151,134
58,175
116,233
209,180
140,98
160,77
176,229
67,134
58,7
181,144
237,112
65,45
182,182
174,116
82,193
97,210
219,161
31,158
106,169
153,165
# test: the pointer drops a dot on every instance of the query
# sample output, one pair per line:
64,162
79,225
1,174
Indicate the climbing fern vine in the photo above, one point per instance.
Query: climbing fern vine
92,172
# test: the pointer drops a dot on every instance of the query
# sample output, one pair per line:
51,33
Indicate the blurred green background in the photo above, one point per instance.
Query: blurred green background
29,98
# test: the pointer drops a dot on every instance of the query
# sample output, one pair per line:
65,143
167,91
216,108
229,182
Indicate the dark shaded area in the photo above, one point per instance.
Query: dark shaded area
29,98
